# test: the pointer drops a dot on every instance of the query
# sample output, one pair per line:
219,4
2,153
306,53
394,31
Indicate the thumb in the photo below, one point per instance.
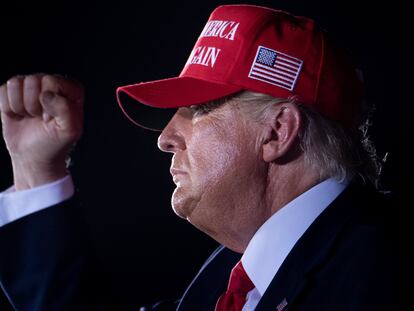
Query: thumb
55,106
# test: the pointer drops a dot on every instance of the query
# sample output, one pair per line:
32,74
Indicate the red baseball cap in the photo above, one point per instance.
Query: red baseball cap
245,47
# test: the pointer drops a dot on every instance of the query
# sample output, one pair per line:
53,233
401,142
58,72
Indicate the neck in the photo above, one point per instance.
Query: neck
282,184
288,182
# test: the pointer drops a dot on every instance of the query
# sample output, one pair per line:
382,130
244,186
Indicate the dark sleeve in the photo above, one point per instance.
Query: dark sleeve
46,262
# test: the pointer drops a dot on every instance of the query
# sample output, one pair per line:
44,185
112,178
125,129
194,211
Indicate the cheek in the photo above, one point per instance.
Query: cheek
211,164
217,159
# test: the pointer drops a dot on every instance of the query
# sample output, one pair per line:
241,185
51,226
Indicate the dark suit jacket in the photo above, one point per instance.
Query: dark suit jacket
350,258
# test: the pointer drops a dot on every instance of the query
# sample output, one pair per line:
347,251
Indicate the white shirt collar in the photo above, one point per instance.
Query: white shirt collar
274,240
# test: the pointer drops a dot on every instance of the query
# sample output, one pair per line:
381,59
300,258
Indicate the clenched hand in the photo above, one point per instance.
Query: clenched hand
41,119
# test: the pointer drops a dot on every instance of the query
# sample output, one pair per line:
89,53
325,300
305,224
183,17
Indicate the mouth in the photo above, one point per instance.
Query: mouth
175,173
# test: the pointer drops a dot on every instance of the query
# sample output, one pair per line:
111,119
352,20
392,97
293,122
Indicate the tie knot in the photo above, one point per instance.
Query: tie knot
239,280
235,296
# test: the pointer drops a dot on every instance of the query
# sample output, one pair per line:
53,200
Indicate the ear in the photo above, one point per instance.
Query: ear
282,132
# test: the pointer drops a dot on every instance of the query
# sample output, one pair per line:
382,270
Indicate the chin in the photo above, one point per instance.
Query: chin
182,205
179,212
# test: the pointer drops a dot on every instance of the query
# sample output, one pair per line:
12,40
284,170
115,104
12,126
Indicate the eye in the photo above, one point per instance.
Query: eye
203,109
199,110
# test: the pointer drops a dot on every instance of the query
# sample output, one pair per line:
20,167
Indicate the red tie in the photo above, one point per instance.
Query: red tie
235,296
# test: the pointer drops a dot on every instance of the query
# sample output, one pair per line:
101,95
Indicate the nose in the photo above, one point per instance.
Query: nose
171,138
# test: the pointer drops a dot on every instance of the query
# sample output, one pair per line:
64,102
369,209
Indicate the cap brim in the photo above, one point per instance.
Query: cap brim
170,93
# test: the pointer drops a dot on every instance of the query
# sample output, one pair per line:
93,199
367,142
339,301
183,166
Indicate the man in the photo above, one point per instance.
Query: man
265,161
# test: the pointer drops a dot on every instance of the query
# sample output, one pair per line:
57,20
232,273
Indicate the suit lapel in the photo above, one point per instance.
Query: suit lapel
210,282
311,251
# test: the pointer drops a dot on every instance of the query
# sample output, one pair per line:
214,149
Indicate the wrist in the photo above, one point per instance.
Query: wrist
30,174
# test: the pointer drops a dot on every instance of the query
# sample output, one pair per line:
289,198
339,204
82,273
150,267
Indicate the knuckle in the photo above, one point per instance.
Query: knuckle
31,95
31,81
31,88
14,82
48,79
50,83
63,86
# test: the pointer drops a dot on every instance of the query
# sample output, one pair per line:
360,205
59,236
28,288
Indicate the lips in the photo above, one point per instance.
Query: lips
176,171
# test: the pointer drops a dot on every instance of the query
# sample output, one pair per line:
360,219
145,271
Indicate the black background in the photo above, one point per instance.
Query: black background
147,252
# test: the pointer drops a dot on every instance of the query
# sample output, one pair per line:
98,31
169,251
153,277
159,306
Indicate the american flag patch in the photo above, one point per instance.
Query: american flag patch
275,68
282,305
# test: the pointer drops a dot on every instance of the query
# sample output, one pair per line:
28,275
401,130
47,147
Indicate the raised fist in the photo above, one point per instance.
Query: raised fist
41,119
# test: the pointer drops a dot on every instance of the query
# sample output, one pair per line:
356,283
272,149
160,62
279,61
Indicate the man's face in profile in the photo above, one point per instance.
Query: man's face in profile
217,167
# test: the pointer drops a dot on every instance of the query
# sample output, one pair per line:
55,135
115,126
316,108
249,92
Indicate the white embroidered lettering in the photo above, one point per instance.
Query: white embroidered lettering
219,29
225,24
210,57
232,32
216,28
198,55
202,55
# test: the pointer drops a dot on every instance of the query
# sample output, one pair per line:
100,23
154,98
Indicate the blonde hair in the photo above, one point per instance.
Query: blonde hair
328,147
